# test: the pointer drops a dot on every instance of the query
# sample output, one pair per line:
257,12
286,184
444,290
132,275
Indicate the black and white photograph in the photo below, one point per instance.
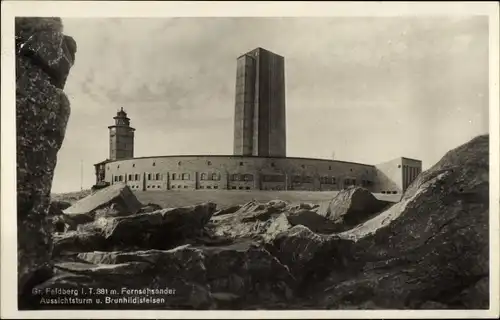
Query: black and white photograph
236,161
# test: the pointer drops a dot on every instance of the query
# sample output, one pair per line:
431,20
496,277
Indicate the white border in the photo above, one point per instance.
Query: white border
10,9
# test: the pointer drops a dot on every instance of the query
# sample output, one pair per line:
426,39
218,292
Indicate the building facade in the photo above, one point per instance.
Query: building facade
259,161
259,118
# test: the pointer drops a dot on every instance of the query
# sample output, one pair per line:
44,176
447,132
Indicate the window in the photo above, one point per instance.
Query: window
201,187
350,169
173,187
215,176
235,177
185,176
241,188
308,179
116,178
133,165
136,177
148,187
185,187
329,167
334,181
303,166
248,177
203,176
233,187
399,166
118,166
130,177
272,164
383,192
107,167
179,163
157,176
158,187
174,176
154,164
149,176
241,163
216,187
209,187
209,163
121,178
153,187
248,188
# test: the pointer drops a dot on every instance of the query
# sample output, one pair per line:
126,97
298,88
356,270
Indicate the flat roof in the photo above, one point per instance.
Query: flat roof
259,49
411,159
236,156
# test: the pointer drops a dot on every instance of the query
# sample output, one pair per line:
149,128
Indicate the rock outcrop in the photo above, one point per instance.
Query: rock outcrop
162,229
432,246
228,277
44,56
351,206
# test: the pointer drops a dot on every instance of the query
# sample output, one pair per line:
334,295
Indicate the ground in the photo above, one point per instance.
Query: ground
223,198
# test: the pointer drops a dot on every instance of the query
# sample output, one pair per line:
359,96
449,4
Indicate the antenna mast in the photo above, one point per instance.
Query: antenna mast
81,175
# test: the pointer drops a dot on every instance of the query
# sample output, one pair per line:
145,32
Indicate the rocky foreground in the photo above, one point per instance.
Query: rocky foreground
354,252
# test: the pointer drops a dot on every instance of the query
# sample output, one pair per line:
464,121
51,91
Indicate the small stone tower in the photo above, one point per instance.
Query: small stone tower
121,137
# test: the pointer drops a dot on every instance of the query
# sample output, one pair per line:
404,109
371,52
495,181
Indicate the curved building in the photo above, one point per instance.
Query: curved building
259,161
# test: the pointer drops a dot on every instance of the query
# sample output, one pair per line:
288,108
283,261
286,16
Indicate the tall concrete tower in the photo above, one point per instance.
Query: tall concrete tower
121,137
260,119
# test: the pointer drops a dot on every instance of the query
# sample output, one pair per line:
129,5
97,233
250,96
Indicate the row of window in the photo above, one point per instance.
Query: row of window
181,176
389,192
231,188
272,164
213,176
241,177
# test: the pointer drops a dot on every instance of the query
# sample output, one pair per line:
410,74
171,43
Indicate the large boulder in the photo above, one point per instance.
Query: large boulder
431,247
115,200
351,206
44,56
159,229
251,220
309,256
162,229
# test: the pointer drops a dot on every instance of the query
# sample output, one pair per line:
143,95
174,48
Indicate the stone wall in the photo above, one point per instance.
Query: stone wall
238,173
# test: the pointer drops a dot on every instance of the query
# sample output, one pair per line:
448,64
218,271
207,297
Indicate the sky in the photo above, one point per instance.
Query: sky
367,89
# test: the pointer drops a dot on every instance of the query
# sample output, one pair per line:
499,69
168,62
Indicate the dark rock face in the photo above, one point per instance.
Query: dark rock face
432,246
43,59
202,278
351,206
309,256
57,207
